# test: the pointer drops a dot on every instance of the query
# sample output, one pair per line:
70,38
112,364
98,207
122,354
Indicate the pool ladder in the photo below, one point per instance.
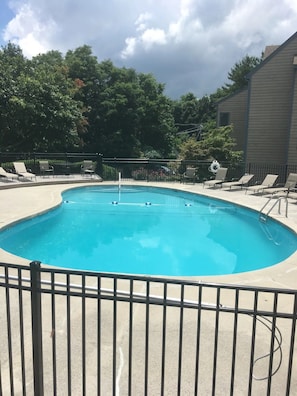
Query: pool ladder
263,215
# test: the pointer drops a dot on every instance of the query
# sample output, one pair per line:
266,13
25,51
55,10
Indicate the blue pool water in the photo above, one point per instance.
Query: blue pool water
155,231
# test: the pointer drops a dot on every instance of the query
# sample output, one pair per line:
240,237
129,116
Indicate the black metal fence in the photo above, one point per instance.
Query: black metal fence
144,168
63,163
77,333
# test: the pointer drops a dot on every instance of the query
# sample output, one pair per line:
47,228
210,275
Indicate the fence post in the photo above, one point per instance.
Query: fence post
36,328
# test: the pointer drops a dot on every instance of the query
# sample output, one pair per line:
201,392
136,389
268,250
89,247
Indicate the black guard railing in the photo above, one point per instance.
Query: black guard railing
66,332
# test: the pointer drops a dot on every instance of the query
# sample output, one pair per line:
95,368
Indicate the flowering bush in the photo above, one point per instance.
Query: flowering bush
139,174
152,174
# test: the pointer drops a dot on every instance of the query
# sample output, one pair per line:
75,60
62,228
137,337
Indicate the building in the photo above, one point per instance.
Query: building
264,115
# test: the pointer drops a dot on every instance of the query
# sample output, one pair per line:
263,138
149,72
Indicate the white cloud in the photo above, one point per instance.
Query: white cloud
153,36
141,22
29,31
147,39
32,45
130,47
190,45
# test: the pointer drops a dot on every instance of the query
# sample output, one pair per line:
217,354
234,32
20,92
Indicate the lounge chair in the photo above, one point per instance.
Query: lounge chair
291,194
268,182
189,175
290,183
22,171
7,175
87,168
243,181
219,179
45,168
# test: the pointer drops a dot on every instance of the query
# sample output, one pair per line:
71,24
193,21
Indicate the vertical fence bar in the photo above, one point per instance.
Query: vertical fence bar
234,342
271,354
22,343
68,316
253,342
292,344
196,390
164,340
36,328
147,329
216,340
99,336
53,334
114,366
181,326
130,338
83,336
8,324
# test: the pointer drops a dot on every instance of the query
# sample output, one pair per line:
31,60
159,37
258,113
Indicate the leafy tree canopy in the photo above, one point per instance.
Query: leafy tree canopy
218,144
74,102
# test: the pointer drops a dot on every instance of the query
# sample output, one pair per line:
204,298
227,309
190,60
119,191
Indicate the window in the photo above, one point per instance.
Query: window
224,119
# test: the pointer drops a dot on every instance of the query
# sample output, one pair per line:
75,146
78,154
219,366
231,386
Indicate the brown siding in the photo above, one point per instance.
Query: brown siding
292,149
238,104
271,89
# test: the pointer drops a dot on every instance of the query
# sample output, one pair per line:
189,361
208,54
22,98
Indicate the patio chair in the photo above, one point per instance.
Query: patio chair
45,168
87,168
290,194
289,184
219,179
7,175
266,183
243,181
189,175
22,171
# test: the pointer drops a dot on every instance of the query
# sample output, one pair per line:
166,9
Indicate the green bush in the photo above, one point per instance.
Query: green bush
109,173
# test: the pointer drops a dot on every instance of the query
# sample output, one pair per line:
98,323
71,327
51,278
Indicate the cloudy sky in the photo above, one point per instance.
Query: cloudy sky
190,45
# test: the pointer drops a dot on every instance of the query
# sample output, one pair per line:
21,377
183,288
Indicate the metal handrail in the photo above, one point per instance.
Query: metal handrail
263,216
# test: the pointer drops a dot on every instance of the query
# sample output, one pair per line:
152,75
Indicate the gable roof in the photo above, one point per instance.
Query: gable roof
270,51
272,54
231,95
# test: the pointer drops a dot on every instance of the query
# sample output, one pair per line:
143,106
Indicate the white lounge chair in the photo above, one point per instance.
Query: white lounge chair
7,175
45,168
22,171
290,184
189,175
87,168
219,179
243,181
266,183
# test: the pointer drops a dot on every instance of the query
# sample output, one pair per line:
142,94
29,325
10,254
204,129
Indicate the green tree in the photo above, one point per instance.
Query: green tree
84,70
214,142
12,65
127,112
240,70
237,77
191,150
157,130
218,144
191,113
115,125
40,112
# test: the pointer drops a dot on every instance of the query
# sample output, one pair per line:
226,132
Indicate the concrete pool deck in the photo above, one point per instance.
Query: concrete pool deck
32,198
25,201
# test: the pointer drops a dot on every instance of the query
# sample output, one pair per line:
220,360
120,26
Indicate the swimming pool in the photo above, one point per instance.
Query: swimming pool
149,231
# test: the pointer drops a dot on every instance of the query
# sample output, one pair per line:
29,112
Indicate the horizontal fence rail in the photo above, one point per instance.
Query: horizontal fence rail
66,332
150,169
